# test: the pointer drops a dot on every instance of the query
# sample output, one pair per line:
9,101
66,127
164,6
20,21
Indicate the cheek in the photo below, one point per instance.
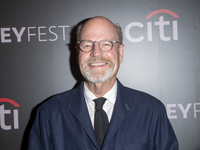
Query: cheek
114,57
82,58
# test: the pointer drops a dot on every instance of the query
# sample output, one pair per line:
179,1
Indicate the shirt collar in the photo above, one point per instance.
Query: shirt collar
110,95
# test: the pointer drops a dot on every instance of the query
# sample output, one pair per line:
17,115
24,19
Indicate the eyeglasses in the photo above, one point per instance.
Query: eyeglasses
104,45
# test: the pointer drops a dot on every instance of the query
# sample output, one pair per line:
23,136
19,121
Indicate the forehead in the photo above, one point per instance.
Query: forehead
98,28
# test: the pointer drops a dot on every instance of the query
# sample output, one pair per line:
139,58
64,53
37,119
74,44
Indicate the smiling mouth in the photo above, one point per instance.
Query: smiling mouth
97,64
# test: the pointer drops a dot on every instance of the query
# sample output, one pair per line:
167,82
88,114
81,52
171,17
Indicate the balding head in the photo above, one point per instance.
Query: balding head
98,22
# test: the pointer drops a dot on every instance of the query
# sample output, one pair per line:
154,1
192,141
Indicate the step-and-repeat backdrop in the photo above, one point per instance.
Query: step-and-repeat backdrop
162,58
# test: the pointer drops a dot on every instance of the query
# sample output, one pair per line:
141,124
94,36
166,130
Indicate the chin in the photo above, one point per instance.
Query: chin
97,80
98,77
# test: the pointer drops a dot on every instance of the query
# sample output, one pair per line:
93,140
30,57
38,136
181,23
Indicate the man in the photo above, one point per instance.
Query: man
129,120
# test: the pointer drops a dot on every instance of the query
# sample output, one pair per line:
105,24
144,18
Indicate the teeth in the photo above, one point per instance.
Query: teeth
98,64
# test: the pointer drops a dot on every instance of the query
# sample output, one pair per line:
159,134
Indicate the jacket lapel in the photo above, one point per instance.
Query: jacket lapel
78,108
123,106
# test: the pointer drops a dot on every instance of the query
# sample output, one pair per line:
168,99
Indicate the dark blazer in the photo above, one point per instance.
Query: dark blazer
139,122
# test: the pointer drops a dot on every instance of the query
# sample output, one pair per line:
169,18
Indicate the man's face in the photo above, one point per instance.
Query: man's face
98,66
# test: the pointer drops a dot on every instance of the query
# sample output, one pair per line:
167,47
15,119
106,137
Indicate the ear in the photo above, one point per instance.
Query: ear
77,54
76,47
121,53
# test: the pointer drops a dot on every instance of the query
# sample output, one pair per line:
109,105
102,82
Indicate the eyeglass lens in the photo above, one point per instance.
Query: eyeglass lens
105,45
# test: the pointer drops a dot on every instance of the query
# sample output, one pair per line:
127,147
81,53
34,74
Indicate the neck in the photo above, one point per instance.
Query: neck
100,89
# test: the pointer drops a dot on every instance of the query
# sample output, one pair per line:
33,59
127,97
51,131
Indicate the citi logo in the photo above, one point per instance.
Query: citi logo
7,113
161,23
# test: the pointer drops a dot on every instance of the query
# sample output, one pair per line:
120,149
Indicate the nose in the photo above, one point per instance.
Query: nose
96,50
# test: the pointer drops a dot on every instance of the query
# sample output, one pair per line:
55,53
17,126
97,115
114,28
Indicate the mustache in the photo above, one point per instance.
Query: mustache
98,59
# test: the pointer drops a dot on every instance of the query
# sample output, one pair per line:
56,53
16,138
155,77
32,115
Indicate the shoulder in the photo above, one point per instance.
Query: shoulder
146,99
139,98
57,101
62,99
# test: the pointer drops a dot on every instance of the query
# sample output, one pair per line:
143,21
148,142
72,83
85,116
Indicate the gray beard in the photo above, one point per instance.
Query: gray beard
97,77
